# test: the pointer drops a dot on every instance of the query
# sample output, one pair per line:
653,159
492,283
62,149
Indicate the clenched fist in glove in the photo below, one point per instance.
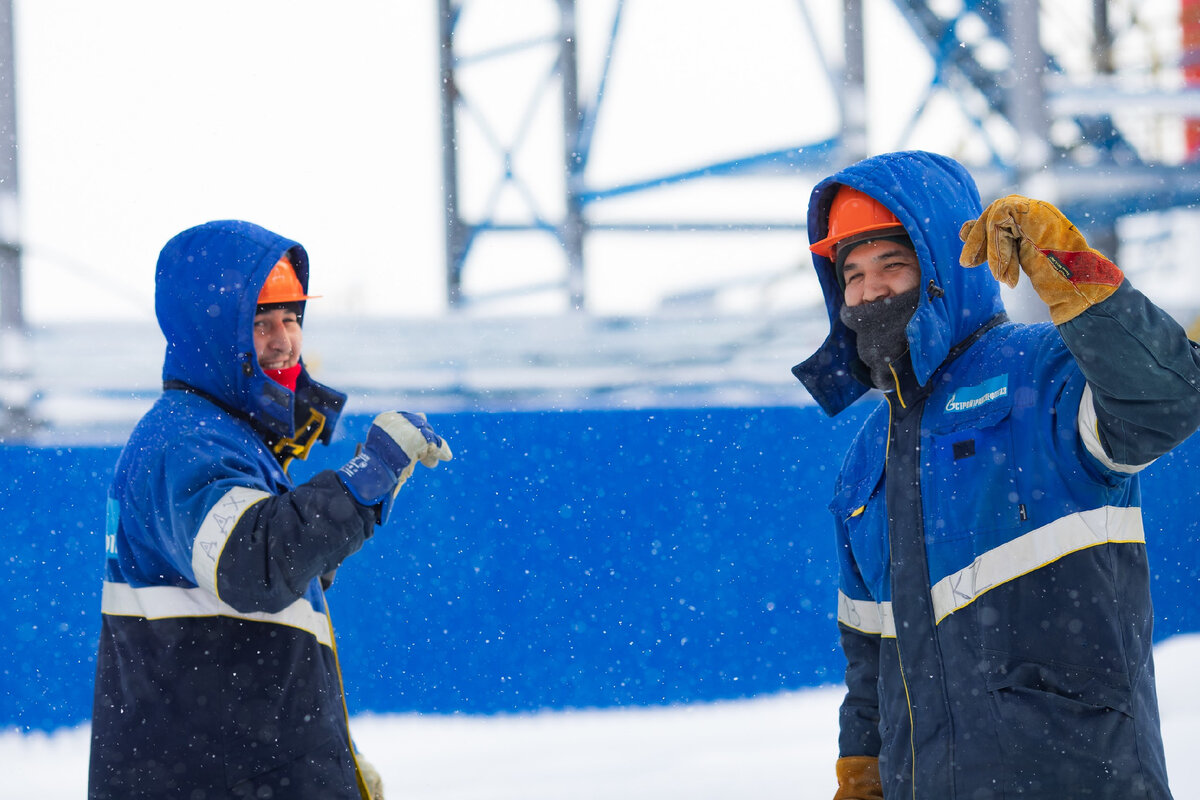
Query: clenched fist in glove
1018,232
395,443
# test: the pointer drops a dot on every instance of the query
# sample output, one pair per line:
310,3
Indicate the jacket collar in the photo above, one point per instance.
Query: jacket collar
906,392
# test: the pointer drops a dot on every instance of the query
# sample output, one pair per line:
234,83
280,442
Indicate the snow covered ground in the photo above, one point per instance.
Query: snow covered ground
772,747
766,748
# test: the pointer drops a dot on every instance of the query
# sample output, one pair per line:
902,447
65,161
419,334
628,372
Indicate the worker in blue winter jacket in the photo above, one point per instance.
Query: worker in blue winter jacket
994,596
217,675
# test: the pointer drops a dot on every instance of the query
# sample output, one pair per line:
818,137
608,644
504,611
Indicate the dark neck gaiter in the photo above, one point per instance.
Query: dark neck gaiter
879,326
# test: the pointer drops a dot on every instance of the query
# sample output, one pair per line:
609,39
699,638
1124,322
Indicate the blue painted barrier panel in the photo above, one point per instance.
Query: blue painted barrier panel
562,559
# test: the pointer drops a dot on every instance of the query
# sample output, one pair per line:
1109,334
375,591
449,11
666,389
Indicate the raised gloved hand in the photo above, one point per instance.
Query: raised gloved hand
396,441
1016,232
858,778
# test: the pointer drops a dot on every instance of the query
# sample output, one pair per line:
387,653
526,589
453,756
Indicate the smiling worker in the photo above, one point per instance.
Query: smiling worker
994,595
217,675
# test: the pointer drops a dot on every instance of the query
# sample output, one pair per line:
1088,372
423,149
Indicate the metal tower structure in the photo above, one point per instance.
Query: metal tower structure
562,214
1053,115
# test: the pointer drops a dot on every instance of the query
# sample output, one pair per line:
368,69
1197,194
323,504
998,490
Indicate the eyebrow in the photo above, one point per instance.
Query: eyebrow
883,256
895,251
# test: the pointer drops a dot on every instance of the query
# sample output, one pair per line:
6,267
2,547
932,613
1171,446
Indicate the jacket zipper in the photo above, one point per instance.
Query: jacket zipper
337,665
912,725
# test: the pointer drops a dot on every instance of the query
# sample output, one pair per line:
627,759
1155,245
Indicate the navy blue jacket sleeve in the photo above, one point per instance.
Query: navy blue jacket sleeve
284,541
1143,372
859,715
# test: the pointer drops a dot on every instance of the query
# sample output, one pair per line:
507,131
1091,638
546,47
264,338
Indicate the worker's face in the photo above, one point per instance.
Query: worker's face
277,338
876,270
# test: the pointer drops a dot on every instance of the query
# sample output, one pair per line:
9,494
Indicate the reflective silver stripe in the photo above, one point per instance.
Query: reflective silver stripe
1090,434
1033,550
214,532
866,616
169,602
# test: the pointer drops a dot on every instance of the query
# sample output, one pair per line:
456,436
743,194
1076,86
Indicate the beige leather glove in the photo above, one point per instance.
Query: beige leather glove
369,779
858,778
414,436
1017,233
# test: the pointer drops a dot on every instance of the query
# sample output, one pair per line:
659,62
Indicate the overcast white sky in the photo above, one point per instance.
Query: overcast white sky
139,118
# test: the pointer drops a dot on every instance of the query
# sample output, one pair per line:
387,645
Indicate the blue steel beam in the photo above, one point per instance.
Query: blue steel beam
803,157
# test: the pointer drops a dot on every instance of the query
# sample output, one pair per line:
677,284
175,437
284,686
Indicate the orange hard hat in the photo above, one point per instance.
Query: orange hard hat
851,213
282,285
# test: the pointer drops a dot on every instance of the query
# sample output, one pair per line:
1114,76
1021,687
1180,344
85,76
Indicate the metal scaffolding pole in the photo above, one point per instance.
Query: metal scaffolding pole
455,229
1102,52
11,314
853,97
1026,98
573,225
16,390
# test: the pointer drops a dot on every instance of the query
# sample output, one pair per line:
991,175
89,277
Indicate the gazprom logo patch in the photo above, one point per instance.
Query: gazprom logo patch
975,396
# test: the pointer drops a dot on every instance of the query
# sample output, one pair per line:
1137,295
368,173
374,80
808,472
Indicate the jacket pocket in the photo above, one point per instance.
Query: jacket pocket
970,484
860,515
1064,731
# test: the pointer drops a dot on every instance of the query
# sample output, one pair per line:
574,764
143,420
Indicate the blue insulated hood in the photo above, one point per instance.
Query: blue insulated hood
206,292
932,196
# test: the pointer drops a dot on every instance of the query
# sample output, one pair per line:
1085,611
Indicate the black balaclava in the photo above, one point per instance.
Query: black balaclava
880,329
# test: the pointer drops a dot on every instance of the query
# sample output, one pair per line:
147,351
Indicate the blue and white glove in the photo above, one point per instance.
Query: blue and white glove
396,441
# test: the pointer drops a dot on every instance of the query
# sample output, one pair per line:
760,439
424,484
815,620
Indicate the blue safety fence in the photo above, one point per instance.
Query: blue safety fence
562,559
